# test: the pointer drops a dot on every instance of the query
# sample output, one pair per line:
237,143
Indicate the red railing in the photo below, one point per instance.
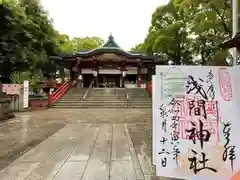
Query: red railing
149,88
59,92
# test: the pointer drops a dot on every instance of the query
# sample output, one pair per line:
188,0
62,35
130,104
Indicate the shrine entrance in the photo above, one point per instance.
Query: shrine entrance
87,80
109,80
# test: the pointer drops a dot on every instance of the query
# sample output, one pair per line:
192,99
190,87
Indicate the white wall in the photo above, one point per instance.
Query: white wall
87,71
109,71
133,70
130,70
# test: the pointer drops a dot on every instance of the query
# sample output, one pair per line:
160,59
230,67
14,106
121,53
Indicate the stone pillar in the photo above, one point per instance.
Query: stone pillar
139,76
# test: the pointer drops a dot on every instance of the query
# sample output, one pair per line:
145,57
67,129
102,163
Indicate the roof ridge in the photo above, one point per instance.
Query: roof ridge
111,42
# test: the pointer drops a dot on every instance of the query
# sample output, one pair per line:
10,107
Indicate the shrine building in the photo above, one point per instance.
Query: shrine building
110,65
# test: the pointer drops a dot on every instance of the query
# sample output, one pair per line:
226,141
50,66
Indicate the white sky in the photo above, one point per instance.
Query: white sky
127,20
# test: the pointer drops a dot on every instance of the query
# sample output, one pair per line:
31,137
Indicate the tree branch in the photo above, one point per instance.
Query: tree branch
222,18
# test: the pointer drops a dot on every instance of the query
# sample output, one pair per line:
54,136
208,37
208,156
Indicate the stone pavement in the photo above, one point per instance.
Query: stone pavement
77,144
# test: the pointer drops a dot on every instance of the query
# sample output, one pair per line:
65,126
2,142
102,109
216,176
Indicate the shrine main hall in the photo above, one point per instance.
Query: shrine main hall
109,66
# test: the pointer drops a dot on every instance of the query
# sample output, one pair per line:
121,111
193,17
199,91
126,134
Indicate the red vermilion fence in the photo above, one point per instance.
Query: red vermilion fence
59,92
149,88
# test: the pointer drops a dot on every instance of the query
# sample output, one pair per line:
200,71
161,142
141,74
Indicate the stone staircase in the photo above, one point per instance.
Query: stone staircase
72,99
105,98
138,97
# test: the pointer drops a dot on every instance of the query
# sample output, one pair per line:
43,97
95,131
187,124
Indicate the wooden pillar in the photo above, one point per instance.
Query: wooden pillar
123,79
71,75
123,74
97,77
150,73
79,73
153,68
139,76
123,70
81,76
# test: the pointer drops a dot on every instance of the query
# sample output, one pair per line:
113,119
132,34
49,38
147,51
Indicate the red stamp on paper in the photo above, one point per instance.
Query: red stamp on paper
189,110
225,84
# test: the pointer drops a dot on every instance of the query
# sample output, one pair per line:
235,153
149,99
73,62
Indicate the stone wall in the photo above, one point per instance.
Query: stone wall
5,110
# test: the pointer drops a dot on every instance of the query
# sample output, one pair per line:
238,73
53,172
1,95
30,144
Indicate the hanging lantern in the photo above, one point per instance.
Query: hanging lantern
80,77
124,73
170,62
94,73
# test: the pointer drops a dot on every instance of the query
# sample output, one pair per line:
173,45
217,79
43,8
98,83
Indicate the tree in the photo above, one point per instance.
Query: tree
168,34
190,32
86,43
68,46
139,48
65,44
43,36
211,25
26,36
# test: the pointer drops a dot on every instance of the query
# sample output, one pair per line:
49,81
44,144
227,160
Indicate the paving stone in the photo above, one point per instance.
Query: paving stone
71,171
74,144
122,170
98,167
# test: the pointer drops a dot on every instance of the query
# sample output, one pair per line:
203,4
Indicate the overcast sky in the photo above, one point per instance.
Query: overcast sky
127,20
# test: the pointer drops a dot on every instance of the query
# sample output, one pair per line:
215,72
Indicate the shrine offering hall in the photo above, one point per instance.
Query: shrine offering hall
109,66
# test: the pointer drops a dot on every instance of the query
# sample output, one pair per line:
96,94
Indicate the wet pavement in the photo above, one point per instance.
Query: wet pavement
77,144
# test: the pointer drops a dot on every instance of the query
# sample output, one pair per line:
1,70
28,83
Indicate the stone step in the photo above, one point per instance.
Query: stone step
93,96
93,100
106,101
112,102
74,95
71,106
116,97
98,99
105,98
103,103
106,95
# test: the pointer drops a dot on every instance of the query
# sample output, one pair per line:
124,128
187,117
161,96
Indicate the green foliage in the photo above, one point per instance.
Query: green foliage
68,46
183,30
28,38
139,48
168,36
19,77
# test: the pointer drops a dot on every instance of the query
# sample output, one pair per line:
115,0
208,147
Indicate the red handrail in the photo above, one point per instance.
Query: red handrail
59,92
149,88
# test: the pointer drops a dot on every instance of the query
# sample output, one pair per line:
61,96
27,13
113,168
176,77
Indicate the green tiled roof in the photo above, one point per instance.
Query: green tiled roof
111,43
110,47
